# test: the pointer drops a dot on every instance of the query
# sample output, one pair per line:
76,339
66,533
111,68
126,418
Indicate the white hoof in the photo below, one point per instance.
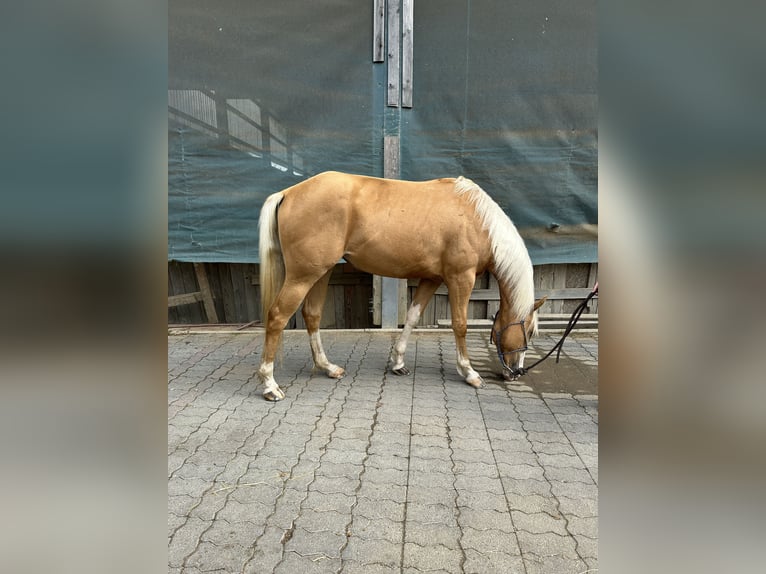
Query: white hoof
335,372
273,394
476,382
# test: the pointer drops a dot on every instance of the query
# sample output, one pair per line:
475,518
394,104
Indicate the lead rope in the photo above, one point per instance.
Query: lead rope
581,308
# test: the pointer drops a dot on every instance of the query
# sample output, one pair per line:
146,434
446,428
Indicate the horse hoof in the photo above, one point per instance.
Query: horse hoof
336,373
477,383
401,371
273,395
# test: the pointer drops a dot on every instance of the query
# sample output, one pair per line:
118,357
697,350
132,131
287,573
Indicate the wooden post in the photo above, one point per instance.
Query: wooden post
390,288
378,23
394,15
407,52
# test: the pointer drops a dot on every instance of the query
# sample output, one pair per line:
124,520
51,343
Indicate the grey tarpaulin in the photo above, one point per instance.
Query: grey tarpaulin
264,94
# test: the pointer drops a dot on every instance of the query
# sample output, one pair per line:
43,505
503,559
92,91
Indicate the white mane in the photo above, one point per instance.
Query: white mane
513,266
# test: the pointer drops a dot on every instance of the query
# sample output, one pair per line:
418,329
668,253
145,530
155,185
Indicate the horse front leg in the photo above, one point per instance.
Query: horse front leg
424,292
312,315
459,296
284,306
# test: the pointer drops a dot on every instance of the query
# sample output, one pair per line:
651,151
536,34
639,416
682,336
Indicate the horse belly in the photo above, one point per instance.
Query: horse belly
395,252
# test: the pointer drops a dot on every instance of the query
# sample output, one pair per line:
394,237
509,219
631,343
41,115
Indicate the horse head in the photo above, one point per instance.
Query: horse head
511,336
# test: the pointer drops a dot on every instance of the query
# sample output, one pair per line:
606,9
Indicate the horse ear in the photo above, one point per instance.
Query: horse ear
539,303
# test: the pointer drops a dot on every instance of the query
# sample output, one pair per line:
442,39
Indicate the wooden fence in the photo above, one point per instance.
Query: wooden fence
234,293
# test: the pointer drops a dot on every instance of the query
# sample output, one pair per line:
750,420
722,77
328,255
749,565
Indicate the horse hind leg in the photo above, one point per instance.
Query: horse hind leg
286,303
312,315
424,292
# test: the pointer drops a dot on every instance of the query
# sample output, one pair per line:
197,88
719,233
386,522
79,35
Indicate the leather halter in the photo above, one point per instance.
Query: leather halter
514,371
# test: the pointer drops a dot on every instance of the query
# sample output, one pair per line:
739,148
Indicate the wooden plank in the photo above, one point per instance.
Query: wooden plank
328,311
237,286
376,299
407,52
592,280
214,279
340,306
394,70
577,274
544,281
588,321
184,299
206,293
559,282
252,302
196,312
552,294
378,23
227,294
175,315
391,156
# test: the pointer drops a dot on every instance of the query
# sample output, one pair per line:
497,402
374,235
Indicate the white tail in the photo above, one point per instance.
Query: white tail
270,250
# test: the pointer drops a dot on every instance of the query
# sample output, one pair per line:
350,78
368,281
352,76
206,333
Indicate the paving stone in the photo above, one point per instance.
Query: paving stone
224,534
372,551
210,557
492,563
353,567
334,484
193,487
546,545
532,503
377,491
330,521
558,564
489,541
388,461
574,490
375,509
568,474
521,471
185,540
385,476
485,519
435,465
440,480
315,543
583,526
560,460
429,513
378,529
307,564
430,495
432,557
432,533
481,500
540,522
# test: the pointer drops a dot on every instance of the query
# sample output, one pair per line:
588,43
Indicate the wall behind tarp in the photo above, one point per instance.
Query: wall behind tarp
265,94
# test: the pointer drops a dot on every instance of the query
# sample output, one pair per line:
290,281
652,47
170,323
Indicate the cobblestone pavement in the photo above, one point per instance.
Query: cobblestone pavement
376,473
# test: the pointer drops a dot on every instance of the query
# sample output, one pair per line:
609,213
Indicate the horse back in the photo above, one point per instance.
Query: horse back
384,226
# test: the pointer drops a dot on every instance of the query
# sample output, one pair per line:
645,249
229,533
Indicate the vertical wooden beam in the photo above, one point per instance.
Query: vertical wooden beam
378,23
394,70
391,157
390,288
407,52
207,295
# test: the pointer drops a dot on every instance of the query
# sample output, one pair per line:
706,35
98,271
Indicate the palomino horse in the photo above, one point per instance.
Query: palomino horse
445,230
